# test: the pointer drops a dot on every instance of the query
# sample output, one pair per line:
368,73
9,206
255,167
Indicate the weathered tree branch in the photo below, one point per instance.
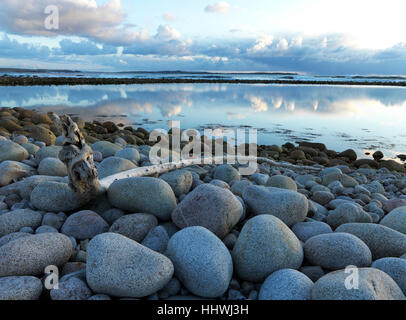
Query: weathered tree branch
78,158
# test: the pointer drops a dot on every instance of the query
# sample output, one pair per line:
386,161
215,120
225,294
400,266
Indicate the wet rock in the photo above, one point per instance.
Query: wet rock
335,251
120,267
84,225
289,206
373,284
264,246
134,226
286,284
12,151
202,262
30,255
143,194
214,208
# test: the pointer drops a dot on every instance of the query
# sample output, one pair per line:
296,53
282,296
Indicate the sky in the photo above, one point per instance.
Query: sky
307,36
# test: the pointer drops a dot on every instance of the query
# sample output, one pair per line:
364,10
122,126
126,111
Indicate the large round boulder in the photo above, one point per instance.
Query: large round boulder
396,220
227,173
214,208
382,241
10,150
134,226
357,284
106,148
143,194
30,255
264,246
395,268
179,180
55,197
13,221
286,284
202,262
20,288
113,165
289,206
84,225
335,251
120,267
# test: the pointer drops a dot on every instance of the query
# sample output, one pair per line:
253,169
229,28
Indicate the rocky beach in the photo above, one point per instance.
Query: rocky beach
310,224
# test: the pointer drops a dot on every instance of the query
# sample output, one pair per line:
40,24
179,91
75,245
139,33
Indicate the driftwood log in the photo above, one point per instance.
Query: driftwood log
78,158
82,172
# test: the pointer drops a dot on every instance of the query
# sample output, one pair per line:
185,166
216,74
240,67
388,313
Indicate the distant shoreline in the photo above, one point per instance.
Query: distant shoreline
59,81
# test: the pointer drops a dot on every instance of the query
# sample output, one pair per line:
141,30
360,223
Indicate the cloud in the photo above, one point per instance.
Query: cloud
100,22
169,17
15,49
166,33
261,44
83,47
219,7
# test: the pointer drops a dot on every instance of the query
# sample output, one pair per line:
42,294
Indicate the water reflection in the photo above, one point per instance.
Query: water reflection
363,118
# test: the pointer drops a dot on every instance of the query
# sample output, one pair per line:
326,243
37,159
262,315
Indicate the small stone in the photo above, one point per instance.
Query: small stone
322,197
111,215
282,182
12,151
346,213
54,220
226,173
20,288
286,284
377,155
47,152
179,180
134,226
45,229
13,221
157,239
113,165
238,187
313,272
131,154
99,297
84,225
52,167
71,289
106,148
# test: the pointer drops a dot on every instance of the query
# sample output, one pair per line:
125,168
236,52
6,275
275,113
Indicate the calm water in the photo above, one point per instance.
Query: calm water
363,118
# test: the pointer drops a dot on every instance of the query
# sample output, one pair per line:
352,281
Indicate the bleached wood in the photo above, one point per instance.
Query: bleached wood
162,168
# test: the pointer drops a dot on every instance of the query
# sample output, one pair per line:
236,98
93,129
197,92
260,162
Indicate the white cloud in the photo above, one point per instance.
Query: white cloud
282,44
167,33
169,17
100,22
219,7
261,44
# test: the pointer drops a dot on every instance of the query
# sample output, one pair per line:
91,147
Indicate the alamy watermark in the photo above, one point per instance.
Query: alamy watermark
352,281
52,277
51,21
221,145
